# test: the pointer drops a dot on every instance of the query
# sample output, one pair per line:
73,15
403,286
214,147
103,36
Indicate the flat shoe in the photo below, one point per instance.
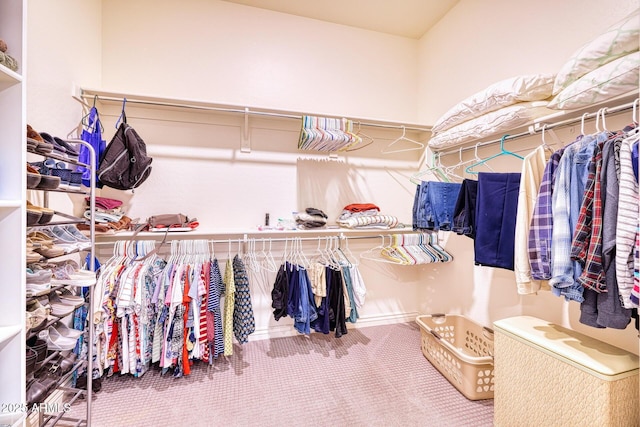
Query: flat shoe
55,341
67,332
33,177
36,392
68,297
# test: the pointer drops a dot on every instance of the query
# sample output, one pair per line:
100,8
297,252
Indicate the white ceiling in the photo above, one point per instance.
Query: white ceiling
406,18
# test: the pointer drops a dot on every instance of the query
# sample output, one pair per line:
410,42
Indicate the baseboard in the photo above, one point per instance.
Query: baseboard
281,331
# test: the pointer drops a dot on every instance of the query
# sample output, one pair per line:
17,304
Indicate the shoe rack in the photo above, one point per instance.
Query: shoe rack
12,215
41,382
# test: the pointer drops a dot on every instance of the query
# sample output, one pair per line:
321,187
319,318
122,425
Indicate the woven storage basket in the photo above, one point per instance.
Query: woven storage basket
461,350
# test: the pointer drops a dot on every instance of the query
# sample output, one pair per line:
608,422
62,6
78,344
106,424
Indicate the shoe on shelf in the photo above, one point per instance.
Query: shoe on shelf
38,282
55,341
69,298
46,214
37,315
71,149
57,148
41,243
66,331
55,298
73,231
61,239
41,146
33,216
32,257
79,278
64,233
33,177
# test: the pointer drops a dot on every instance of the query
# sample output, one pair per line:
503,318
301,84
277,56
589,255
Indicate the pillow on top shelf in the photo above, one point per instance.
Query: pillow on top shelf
496,122
619,40
530,87
616,78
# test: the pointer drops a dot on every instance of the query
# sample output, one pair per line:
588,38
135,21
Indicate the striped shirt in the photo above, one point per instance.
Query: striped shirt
627,224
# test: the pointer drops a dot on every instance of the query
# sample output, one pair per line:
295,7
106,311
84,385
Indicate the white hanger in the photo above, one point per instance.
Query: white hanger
416,145
374,254
268,263
584,116
604,124
553,134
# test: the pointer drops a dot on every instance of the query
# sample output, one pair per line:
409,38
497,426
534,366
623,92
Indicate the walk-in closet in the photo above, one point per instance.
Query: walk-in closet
367,213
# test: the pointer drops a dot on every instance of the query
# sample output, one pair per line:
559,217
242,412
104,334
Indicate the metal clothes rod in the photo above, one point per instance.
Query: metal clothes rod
245,110
275,239
537,127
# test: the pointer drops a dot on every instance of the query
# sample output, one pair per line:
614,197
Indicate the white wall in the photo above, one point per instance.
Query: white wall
229,53
61,51
481,42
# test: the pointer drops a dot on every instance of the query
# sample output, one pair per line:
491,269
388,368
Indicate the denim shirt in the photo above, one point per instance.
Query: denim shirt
567,198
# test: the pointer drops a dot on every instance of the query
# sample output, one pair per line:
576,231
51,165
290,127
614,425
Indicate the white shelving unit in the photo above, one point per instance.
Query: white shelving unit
12,215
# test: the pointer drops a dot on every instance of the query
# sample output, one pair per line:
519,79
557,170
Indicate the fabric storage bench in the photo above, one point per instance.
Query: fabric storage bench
548,375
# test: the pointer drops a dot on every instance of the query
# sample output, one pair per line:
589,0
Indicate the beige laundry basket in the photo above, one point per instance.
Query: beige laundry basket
461,350
548,375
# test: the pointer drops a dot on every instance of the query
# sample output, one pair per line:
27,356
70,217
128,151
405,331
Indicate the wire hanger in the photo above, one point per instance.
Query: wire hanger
123,115
502,152
416,145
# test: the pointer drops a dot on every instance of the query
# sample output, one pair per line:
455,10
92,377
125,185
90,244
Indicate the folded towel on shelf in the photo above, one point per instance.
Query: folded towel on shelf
105,203
102,217
360,207
371,221
349,214
311,218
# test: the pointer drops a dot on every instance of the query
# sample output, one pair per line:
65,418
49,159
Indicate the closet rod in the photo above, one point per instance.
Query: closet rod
537,127
278,239
237,110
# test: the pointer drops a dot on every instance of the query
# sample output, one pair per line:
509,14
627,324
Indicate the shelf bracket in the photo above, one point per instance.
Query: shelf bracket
246,133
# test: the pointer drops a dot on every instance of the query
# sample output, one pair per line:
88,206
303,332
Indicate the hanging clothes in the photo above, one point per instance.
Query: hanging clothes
496,212
168,312
243,320
575,241
533,167
229,303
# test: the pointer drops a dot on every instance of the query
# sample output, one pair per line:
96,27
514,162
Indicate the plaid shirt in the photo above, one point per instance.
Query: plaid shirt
586,247
542,222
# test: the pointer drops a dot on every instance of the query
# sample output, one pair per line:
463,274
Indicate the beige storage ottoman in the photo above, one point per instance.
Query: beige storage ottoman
547,375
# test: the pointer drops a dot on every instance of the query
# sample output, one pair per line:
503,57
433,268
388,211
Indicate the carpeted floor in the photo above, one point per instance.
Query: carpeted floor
374,376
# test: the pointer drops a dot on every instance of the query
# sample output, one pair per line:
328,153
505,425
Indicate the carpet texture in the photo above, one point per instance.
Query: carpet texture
373,376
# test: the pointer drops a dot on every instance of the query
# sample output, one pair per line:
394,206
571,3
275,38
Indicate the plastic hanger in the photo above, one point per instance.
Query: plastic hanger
582,119
634,112
553,134
436,170
416,145
362,137
374,253
502,152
